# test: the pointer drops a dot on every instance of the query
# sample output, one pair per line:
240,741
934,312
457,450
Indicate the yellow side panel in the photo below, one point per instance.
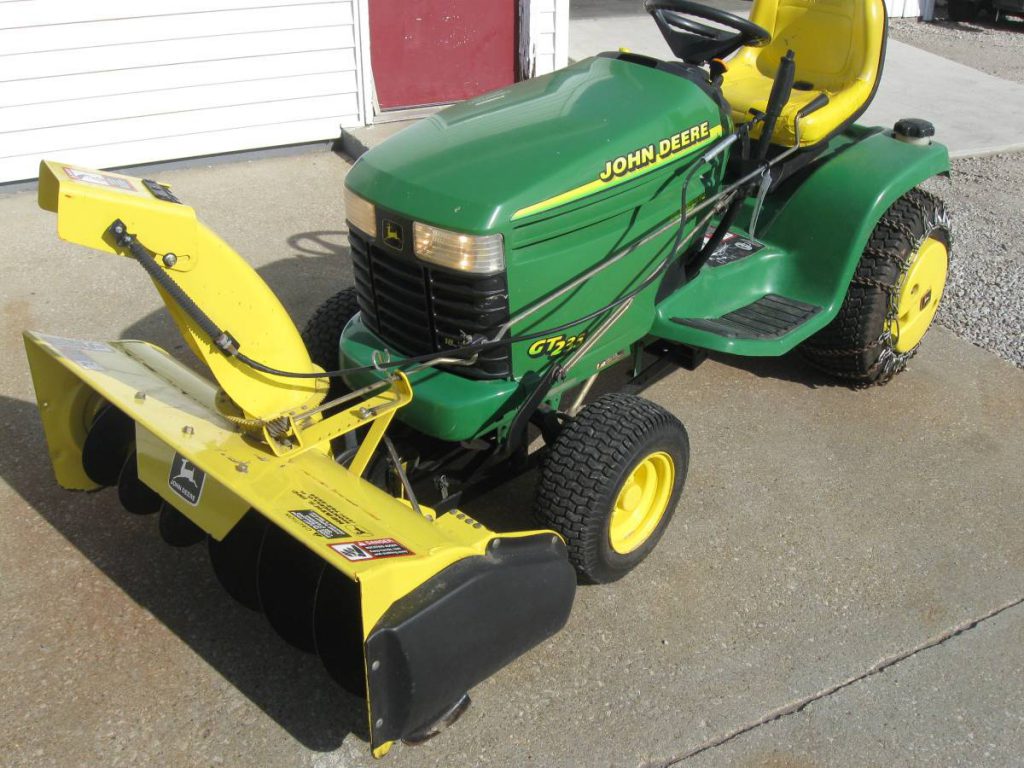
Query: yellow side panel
66,406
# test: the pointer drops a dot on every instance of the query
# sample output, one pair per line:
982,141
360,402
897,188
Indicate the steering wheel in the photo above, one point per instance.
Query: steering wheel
697,43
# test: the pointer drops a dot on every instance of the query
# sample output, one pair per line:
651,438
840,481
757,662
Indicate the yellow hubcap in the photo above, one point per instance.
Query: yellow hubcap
920,294
641,502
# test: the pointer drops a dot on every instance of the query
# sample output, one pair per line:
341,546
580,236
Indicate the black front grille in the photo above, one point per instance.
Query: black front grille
416,308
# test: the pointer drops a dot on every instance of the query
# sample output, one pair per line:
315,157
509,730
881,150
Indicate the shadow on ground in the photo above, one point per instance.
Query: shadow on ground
790,367
178,586
984,22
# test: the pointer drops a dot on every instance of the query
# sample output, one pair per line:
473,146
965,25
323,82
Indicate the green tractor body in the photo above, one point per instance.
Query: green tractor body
536,164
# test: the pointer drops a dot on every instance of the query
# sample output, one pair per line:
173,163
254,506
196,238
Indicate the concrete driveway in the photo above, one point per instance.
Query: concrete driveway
841,584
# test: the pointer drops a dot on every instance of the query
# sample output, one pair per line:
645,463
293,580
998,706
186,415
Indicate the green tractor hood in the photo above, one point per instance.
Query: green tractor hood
519,151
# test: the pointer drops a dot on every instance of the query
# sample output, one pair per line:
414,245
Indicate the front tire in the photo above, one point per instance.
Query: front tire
892,298
323,332
611,482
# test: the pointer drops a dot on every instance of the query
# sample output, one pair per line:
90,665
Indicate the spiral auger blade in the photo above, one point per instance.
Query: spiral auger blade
235,559
287,577
107,445
338,630
176,529
135,496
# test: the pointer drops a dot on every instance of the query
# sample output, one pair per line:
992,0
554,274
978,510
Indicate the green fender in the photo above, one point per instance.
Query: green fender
826,223
814,233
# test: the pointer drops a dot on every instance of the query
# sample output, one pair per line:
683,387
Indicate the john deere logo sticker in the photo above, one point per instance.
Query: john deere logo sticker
392,234
641,157
186,479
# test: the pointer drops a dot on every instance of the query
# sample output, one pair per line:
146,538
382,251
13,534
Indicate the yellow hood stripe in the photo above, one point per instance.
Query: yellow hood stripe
598,185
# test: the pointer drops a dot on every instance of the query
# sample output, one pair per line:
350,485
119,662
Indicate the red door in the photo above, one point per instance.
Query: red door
439,51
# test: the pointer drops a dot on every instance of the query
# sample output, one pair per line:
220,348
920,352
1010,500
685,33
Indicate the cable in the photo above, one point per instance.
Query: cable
468,349
225,342
221,339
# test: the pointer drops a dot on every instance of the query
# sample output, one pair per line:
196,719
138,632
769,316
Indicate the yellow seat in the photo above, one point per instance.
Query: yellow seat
839,46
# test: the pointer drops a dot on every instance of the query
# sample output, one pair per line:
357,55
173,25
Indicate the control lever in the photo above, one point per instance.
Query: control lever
766,176
782,88
762,191
814,105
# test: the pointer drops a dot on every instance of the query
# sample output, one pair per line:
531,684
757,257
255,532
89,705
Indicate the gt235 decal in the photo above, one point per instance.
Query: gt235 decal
555,345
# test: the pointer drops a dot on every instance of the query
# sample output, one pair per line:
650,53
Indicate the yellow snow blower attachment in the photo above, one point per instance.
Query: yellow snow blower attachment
406,607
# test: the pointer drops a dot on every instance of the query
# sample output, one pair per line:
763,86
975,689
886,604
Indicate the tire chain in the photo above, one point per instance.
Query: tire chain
889,361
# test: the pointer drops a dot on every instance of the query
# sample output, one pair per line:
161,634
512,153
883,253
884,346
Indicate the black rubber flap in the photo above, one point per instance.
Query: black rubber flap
462,626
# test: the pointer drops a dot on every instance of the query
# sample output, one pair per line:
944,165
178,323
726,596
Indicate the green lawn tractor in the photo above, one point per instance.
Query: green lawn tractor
507,251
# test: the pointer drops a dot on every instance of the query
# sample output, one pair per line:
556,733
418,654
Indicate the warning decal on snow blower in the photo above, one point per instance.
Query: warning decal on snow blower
318,524
370,549
186,479
77,350
98,179
334,516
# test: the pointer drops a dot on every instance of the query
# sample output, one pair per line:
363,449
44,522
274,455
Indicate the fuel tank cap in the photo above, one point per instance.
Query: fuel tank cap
913,130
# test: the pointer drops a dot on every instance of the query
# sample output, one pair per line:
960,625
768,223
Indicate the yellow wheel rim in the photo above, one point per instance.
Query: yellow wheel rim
641,502
919,295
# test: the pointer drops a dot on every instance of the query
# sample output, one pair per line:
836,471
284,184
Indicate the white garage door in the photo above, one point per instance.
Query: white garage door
113,82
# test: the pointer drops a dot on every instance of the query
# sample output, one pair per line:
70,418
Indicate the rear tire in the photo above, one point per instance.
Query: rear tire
861,345
617,446
323,332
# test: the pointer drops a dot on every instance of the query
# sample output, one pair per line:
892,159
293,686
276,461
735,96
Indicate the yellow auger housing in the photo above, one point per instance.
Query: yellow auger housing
405,606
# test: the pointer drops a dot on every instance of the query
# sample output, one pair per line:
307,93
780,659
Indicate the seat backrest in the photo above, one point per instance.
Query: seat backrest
836,41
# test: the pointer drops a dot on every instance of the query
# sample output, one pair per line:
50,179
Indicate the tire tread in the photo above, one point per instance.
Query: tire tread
582,468
323,331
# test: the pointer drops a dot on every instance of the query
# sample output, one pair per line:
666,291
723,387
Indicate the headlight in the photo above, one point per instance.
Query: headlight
360,213
481,254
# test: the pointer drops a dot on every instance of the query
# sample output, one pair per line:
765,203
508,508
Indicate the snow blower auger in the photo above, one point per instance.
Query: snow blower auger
507,251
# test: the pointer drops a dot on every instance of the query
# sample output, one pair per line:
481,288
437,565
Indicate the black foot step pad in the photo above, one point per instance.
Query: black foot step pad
769,317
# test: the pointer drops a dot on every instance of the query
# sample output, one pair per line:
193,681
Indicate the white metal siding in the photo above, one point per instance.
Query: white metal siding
114,82
548,35
908,8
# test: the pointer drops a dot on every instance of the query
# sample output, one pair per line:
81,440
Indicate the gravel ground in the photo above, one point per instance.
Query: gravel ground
984,300
997,49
